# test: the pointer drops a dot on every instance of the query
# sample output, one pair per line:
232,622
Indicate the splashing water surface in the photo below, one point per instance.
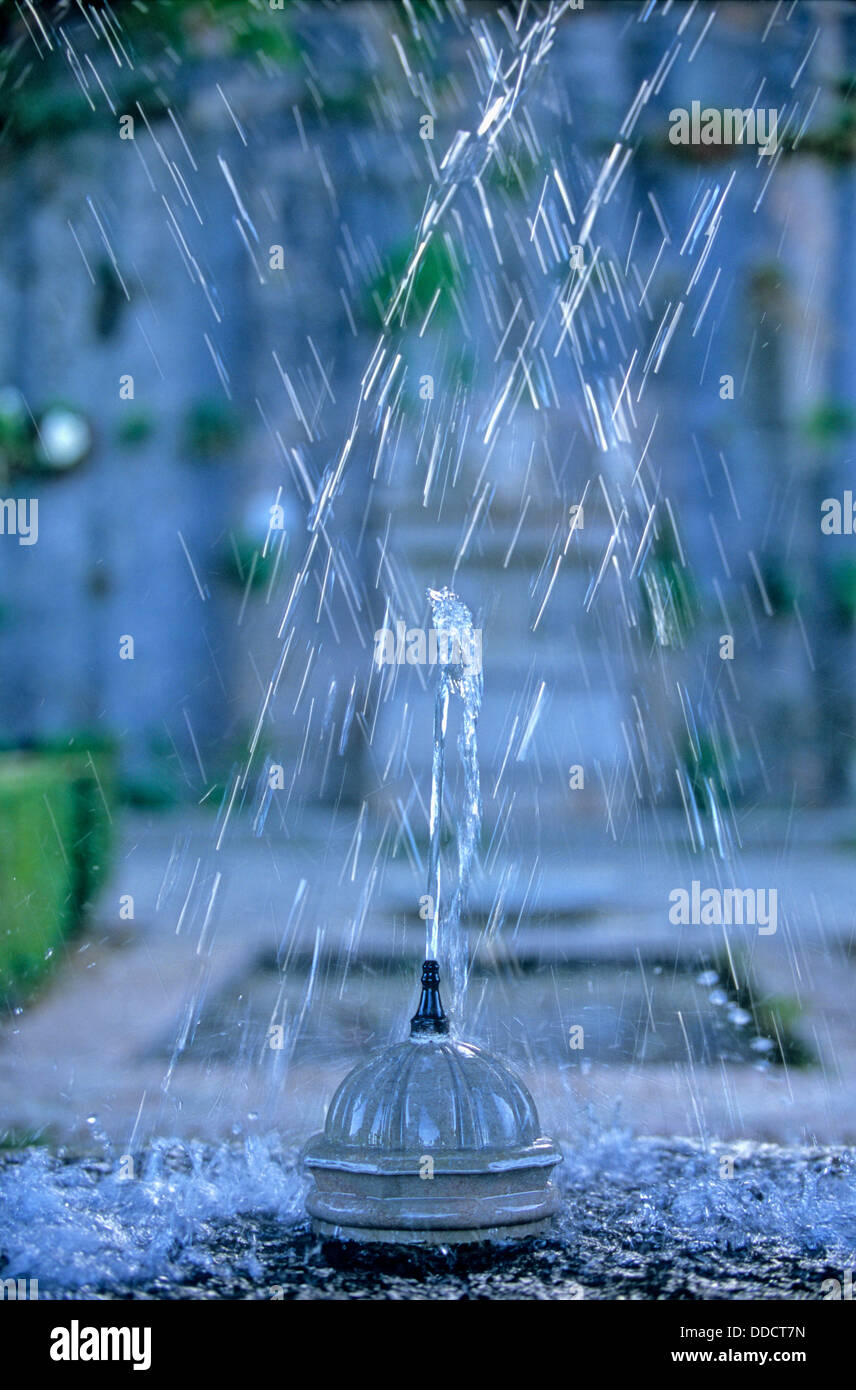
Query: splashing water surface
644,1218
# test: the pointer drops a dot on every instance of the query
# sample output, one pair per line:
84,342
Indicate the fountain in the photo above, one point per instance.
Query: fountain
433,1141
543,328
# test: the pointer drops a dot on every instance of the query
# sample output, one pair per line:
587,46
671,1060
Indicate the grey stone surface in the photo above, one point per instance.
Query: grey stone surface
597,949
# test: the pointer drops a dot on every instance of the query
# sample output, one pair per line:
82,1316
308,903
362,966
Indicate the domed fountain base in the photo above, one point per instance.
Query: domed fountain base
431,1142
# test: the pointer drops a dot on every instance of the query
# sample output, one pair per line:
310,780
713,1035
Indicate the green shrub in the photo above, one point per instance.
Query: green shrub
37,889
55,842
88,763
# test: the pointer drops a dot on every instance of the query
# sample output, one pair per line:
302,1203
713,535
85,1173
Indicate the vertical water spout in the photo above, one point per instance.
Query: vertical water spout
459,673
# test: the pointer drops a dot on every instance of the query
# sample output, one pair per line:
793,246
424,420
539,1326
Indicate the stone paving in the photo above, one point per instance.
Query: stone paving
669,1047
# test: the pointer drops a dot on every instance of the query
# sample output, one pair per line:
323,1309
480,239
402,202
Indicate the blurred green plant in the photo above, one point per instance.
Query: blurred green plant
836,141
842,583
55,844
16,433
670,601
766,282
829,422
87,761
243,564
437,275
110,299
781,586
775,1016
36,878
707,773
42,100
212,428
135,427
148,792
157,782
516,173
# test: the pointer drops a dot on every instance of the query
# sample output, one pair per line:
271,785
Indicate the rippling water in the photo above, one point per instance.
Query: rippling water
643,1219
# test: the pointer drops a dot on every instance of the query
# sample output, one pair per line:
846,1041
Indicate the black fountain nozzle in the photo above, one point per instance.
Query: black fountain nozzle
429,1017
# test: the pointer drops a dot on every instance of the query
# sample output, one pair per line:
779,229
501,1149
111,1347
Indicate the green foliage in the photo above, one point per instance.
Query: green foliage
775,1017
670,600
462,368
135,427
766,285
155,783
41,99
148,793
211,428
706,773
836,141
88,762
16,433
37,829
843,589
517,173
782,591
110,299
35,111
829,422
55,842
243,562
439,269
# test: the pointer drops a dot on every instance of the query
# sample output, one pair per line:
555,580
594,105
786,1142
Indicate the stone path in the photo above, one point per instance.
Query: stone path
589,943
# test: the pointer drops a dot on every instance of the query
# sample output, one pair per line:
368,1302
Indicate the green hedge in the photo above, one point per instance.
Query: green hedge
55,840
89,765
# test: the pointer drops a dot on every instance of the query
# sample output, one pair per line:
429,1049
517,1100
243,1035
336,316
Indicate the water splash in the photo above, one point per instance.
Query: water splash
645,1218
78,1224
459,673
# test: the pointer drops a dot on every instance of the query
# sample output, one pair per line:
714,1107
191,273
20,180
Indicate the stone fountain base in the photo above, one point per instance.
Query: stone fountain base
454,1200
431,1142
380,1235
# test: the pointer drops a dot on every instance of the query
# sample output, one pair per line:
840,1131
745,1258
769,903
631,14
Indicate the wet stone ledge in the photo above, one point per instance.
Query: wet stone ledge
643,1219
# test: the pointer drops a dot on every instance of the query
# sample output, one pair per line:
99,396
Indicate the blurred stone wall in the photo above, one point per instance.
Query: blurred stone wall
154,535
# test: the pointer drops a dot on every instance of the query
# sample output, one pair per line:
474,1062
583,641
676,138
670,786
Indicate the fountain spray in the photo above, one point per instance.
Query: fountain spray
433,1141
459,673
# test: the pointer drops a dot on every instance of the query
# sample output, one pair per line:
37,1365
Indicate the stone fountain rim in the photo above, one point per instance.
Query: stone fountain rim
323,1154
